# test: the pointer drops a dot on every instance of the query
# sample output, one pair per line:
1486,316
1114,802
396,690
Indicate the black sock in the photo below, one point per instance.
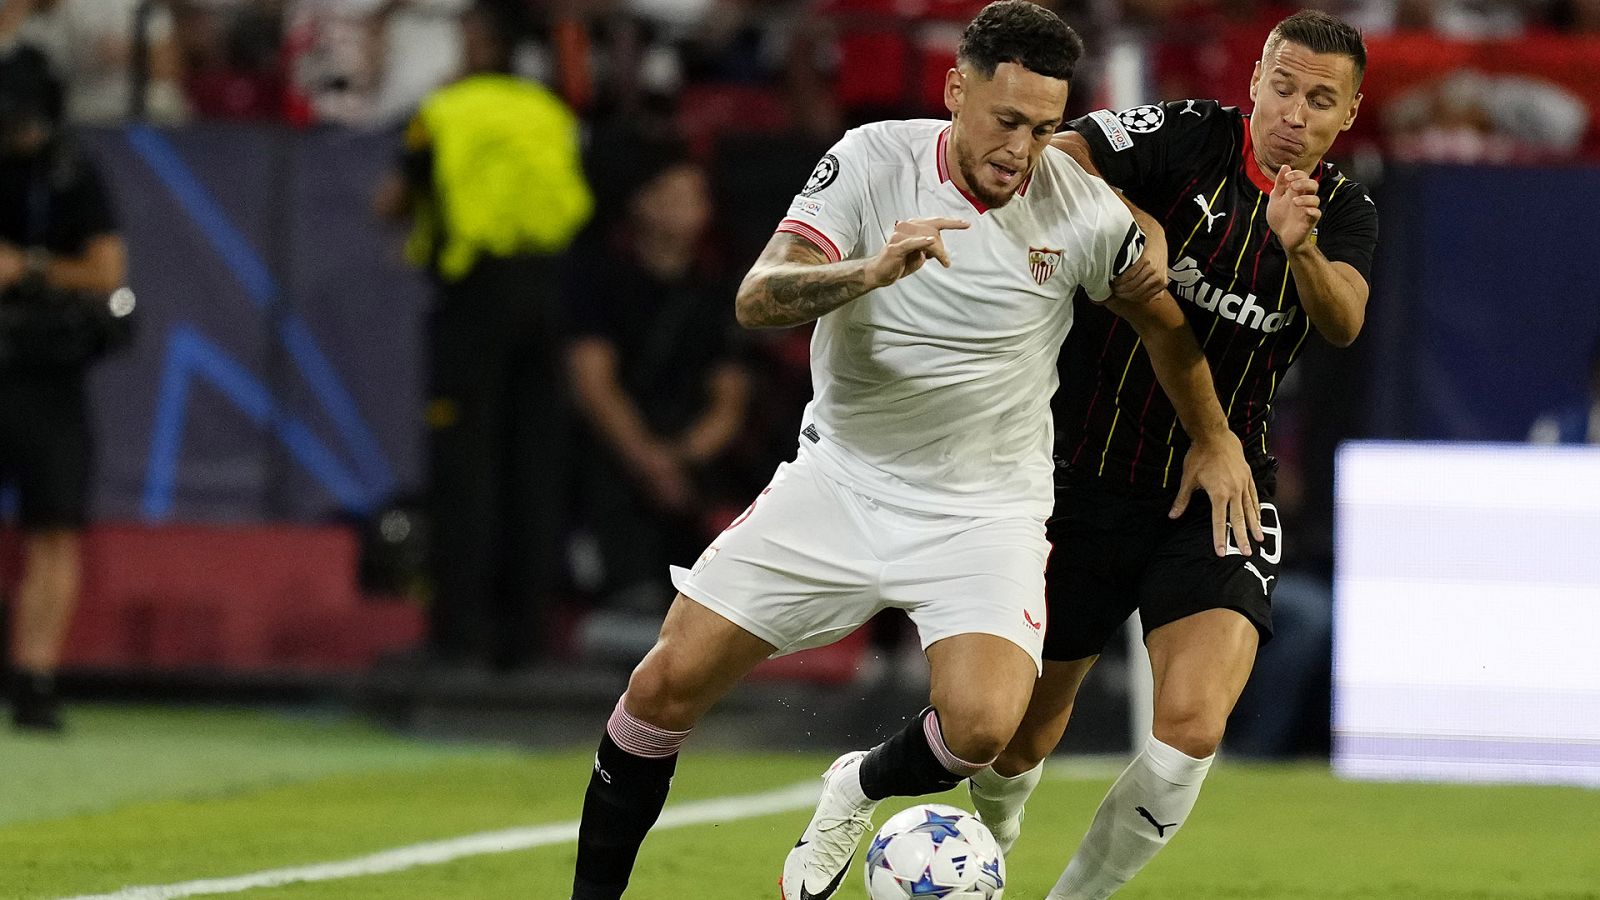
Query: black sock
626,793
905,765
32,685
34,702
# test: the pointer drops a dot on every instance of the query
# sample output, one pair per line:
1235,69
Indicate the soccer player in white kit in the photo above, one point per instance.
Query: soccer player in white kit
923,478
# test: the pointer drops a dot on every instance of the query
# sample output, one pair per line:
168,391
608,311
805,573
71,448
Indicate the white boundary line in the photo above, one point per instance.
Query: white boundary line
701,812
725,809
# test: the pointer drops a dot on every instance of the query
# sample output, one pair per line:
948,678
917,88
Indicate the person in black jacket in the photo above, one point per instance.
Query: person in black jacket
59,253
656,372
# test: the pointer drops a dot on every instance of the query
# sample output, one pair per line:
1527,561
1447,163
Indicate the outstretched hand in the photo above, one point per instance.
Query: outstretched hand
1217,467
913,242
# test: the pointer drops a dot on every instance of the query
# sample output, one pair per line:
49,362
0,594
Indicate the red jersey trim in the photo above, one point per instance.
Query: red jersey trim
823,242
939,151
1252,169
977,204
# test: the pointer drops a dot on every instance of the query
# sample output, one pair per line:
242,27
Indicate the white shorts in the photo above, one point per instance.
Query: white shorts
811,560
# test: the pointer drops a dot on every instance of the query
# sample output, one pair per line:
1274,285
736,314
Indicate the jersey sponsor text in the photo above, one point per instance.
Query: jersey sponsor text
1246,310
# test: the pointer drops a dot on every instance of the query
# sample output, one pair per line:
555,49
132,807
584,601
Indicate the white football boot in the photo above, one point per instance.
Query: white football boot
818,863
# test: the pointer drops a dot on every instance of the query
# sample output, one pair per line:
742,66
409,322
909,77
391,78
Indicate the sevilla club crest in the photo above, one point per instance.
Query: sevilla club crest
1043,262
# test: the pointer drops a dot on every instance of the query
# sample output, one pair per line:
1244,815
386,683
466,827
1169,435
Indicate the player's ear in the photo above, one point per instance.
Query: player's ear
1350,119
955,90
1255,80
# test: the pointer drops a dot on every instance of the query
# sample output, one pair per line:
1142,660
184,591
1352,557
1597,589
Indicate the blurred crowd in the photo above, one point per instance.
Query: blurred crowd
817,65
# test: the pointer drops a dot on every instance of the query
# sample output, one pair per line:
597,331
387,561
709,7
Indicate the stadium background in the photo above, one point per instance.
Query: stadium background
242,697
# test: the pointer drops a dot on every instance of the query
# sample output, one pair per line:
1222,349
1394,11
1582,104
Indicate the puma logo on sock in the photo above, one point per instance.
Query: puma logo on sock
1161,830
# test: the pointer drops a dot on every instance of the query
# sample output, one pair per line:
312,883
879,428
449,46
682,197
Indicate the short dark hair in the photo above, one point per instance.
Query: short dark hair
1321,33
29,91
503,24
1016,31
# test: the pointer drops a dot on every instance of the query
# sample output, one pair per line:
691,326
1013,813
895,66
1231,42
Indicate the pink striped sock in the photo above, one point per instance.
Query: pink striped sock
640,738
955,764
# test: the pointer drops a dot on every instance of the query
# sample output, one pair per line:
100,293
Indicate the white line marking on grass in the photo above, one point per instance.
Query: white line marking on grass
510,840
725,809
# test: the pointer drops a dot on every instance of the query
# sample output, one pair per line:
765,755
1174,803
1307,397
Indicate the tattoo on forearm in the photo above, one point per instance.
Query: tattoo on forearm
806,294
805,287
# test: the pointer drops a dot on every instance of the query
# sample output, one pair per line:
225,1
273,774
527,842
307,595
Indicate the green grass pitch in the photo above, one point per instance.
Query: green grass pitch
151,797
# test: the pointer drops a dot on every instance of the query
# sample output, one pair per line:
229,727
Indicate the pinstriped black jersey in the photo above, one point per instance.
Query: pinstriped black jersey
1188,163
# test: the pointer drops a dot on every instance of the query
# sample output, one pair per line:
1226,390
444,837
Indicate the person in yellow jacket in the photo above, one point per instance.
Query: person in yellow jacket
492,182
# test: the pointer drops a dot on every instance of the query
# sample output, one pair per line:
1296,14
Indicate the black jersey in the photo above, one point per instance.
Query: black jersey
1188,163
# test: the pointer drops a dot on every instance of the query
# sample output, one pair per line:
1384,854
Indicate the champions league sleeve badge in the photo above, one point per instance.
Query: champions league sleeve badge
823,175
1142,119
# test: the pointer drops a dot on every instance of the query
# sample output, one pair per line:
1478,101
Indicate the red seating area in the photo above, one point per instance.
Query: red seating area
893,54
269,600
240,599
1399,62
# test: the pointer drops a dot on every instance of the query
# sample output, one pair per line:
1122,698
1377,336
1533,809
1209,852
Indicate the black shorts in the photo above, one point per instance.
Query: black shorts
1115,550
46,448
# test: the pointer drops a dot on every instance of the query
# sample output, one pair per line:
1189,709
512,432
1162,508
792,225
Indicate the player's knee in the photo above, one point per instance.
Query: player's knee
1193,732
976,724
975,735
659,693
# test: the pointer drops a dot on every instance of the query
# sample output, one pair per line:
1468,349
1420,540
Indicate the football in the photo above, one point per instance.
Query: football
935,851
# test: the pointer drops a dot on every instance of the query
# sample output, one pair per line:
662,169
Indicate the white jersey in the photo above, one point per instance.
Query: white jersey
934,393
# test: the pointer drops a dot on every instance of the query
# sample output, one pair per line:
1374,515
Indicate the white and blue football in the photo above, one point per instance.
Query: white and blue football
935,851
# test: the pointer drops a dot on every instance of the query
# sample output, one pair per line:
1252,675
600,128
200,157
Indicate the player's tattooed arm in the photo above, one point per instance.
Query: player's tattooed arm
793,282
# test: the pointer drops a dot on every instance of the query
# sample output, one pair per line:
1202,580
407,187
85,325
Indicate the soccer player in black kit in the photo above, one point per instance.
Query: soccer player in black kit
1266,243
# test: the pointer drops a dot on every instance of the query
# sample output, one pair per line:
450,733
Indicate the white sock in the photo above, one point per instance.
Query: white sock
1141,813
850,787
999,799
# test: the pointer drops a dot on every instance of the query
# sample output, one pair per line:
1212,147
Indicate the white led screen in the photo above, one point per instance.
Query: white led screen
1467,613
